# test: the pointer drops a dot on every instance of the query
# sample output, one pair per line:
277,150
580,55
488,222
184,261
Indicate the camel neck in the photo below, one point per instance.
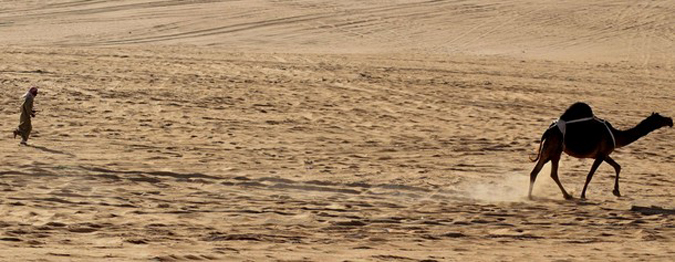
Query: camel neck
628,136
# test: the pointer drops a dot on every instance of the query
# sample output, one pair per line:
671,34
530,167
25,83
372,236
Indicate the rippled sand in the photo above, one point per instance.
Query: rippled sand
323,131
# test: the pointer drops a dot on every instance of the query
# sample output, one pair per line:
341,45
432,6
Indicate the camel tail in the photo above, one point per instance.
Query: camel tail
536,158
543,139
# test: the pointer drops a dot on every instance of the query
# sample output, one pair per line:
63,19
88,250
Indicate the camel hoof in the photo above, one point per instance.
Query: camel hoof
568,197
616,193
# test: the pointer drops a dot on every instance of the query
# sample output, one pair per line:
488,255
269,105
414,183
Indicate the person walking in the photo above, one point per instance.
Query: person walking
27,113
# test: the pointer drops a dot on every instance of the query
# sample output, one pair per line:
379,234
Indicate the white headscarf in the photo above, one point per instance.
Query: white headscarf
30,92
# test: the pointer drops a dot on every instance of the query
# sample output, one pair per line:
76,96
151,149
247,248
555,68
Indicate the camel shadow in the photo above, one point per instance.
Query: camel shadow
44,149
652,210
568,202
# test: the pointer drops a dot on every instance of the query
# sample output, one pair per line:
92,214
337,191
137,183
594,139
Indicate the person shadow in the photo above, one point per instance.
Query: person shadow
53,151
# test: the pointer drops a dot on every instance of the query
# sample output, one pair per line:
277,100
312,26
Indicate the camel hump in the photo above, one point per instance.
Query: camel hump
577,111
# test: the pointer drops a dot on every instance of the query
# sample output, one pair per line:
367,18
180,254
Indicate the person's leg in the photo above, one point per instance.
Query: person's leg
25,134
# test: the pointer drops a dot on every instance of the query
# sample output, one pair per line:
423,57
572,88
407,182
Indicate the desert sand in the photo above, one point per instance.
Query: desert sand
330,130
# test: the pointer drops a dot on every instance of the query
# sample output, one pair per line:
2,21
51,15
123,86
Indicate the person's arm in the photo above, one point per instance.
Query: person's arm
29,107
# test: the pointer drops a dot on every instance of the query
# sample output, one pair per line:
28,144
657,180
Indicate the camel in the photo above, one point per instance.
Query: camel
582,135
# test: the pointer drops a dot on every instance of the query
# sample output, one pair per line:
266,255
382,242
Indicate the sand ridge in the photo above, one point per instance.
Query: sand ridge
615,31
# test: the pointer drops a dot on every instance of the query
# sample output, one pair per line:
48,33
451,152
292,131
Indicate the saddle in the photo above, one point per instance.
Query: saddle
562,125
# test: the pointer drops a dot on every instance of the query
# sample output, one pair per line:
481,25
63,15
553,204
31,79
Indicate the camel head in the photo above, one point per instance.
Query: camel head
660,121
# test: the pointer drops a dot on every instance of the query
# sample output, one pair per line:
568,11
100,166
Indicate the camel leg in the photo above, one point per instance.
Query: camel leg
533,175
617,168
595,166
554,175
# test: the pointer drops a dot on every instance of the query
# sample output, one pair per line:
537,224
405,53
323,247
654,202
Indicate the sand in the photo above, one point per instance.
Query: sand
329,130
